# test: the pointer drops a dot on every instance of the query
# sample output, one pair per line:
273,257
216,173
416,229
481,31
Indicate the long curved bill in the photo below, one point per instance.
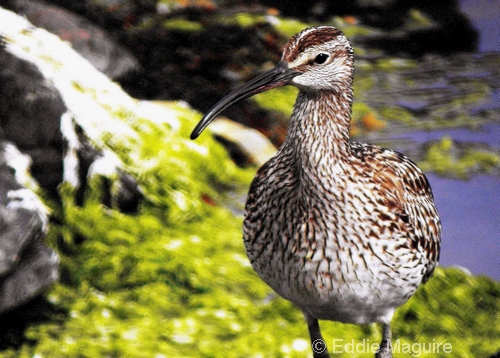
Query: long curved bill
276,77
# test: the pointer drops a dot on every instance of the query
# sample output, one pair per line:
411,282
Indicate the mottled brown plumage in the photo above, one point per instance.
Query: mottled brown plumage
346,231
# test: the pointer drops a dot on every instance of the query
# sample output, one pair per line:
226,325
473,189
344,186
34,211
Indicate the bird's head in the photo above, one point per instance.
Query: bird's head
314,60
322,57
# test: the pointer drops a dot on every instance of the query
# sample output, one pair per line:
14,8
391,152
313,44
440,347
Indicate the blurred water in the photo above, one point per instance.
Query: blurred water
484,15
470,210
487,134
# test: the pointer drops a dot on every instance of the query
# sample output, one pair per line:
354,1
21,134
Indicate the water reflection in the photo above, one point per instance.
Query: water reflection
469,211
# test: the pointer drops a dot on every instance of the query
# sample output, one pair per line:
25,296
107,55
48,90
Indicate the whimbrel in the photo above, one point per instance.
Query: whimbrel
346,231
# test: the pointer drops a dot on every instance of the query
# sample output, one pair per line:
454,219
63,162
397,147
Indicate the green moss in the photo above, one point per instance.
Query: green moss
419,19
399,114
284,26
349,28
183,25
444,158
462,300
244,19
360,109
392,64
280,100
78,87
289,27
362,84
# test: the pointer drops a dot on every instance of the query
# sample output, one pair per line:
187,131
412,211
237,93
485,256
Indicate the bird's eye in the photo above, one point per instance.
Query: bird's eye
321,58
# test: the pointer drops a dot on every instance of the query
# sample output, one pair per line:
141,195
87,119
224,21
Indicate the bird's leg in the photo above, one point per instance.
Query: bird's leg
317,342
385,346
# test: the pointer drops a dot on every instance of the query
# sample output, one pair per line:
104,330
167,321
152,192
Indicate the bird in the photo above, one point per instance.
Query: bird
346,231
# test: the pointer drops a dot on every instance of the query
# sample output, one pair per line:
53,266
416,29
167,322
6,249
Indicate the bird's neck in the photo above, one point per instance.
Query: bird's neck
318,133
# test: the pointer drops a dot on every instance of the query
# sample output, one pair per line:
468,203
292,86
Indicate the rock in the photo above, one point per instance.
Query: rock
37,270
245,144
27,266
60,147
24,96
91,41
49,128
19,227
